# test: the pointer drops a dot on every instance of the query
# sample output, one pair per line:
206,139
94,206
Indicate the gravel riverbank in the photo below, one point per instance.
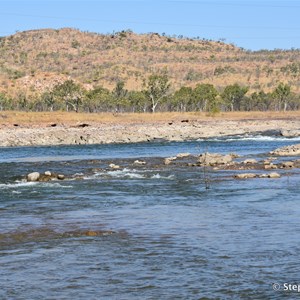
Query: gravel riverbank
132,132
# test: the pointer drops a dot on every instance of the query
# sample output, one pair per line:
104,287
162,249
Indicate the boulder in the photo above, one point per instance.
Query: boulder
245,175
139,162
91,233
263,176
48,173
46,176
169,160
290,133
288,164
287,151
274,175
250,161
34,176
270,166
182,155
114,167
212,159
270,175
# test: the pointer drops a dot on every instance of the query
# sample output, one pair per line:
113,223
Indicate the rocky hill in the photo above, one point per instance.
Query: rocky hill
36,60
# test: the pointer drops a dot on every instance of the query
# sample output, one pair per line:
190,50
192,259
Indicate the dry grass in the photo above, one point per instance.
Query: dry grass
46,57
70,118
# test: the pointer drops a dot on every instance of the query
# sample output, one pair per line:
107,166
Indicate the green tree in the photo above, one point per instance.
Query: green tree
260,101
205,97
182,98
282,93
98,99
120,96
233,96
70,93
156,89
294,102
138,101
48,98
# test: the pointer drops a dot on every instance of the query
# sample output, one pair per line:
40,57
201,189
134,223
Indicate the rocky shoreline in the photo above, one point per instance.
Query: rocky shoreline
105,133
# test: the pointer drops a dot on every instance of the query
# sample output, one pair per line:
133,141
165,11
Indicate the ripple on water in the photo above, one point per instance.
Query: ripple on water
150,232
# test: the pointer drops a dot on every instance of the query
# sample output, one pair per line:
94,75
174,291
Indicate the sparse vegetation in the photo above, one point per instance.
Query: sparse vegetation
68,69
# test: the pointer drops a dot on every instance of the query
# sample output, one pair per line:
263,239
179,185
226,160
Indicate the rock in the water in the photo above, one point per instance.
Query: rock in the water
270,166
211,159
169,160
114,167
44,178
48,173
60,176
91,233
139,162
270,175
192,165
250,161
182,155
263,176
245,175
287,151
288,164
34,176
274,175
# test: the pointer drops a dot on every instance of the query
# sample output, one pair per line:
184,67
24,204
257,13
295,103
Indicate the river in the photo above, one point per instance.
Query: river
168,232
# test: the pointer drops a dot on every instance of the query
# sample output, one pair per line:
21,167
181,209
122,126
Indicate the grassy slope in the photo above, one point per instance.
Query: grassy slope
35,60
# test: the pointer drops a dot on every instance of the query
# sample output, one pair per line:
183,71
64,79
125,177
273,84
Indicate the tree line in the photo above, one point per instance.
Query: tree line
156,95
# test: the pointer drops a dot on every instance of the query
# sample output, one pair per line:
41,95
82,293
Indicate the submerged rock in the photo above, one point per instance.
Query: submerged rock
245,175
91,233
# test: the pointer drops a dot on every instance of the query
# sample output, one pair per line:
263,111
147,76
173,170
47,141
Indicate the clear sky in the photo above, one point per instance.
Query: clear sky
251,24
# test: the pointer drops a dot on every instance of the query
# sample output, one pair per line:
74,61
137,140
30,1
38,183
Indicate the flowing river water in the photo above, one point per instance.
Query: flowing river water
150,231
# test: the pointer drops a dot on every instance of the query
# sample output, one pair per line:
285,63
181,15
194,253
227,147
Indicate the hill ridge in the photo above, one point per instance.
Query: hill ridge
35,60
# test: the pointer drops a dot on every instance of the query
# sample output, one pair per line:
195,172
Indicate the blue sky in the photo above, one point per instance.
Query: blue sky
251,24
